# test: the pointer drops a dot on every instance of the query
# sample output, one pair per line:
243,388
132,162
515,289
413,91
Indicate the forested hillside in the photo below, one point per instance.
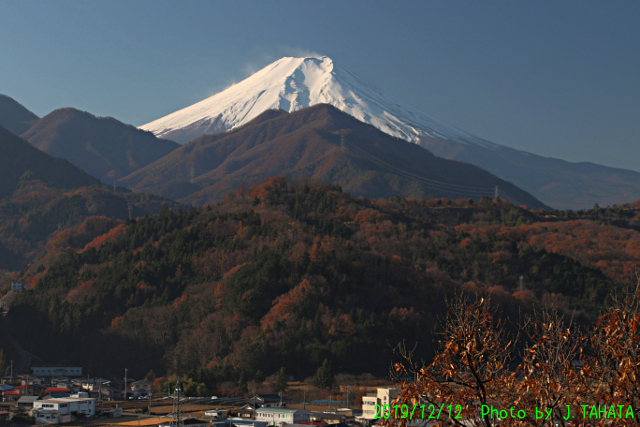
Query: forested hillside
289,274
40,195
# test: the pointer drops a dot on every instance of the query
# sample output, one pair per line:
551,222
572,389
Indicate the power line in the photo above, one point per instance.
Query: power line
439,185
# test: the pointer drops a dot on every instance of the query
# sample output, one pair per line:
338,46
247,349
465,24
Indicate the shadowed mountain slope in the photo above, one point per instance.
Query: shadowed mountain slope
103,147
41,195
20,160
321,143
13,116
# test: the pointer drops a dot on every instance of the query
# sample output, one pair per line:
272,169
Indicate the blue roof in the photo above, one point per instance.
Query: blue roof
59,395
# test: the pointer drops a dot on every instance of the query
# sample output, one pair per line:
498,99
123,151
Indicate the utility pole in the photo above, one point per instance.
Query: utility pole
304,402
125,383
100,396
348,387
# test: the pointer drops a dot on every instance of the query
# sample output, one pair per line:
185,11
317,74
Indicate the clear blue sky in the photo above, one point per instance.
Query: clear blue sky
556,78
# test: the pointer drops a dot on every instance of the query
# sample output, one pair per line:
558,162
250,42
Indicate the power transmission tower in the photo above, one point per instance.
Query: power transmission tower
130,209
177,418
496,193
342,142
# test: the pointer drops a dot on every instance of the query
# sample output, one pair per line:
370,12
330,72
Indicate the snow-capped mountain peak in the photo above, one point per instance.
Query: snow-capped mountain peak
294,83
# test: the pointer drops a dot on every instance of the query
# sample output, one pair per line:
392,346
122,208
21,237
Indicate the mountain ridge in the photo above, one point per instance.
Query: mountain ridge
14,116
322,143
102,146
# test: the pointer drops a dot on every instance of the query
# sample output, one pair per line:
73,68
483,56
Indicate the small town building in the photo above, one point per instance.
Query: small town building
68,405
52,417
141,388
238,422
30,380
26,402
10,396
218,414
17,287
382,397
327,417
94,383
48,371
276,416
268,401
246,411
189,422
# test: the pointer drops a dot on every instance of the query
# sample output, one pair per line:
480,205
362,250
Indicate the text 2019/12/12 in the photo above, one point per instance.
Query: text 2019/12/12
430,412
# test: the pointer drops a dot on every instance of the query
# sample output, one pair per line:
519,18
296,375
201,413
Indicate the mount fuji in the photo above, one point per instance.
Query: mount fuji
291,84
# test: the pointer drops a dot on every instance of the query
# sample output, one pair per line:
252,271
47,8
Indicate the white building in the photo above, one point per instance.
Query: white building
374,402
275,416
63,371
17,287
67,406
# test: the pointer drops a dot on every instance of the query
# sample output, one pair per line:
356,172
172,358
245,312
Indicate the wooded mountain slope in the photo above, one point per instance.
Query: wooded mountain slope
321,143
40,195
289,274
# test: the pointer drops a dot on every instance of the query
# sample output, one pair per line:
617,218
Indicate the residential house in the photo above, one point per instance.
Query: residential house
26,402
30,380
141,388
268,401
238,422
246,411
189,422
47,416
218,414
94,383
327,417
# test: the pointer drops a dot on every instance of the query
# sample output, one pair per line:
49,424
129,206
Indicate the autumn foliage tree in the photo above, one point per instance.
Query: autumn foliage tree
563,376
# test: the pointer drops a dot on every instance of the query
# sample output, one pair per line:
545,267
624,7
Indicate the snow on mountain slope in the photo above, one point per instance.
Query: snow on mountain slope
294,83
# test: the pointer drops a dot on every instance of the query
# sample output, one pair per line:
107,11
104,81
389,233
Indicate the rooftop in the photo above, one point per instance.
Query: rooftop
280,410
